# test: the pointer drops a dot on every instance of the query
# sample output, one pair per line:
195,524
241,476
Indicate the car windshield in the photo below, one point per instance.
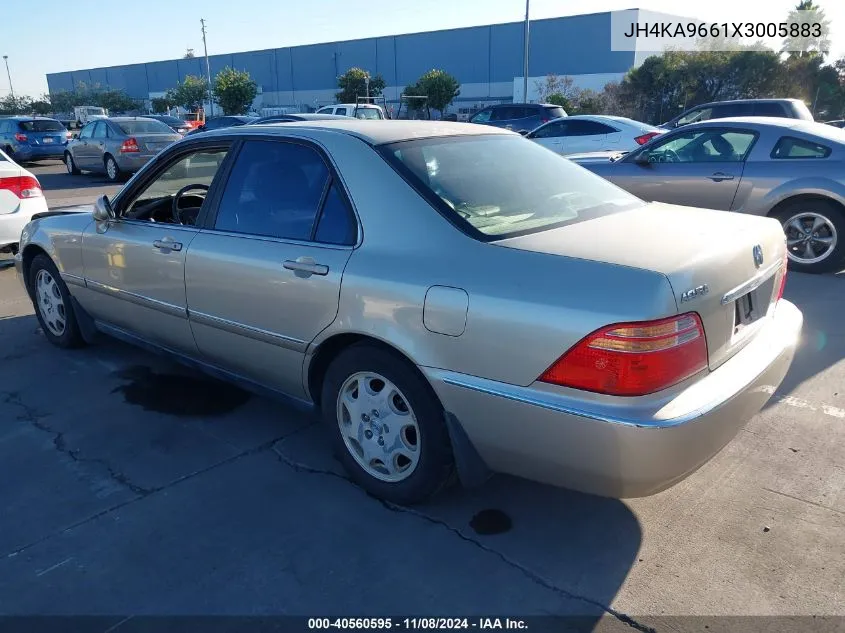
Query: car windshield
504,186
148,126
367,113
41,126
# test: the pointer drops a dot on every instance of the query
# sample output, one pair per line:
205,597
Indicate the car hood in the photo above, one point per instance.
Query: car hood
84,208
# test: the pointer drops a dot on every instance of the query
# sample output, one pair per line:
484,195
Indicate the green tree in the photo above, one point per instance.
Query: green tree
14,105
42,105
115,101
353,84
234,90
589,102
162,105
557,98
439,87
190,93
807,13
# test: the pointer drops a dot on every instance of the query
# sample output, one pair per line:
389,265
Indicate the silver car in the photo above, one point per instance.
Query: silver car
787,169
451,298
118,146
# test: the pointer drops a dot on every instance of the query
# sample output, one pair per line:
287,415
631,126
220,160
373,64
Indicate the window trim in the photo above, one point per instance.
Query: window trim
334,176
684,129
828,150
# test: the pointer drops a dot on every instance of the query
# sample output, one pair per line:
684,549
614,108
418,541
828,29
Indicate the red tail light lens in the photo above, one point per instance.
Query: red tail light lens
21,138
782,283
129,145
633,359
645,138
22,186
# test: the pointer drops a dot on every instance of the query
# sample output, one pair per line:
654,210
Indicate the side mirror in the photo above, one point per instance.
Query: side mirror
103,211
642,159
75,135
525,132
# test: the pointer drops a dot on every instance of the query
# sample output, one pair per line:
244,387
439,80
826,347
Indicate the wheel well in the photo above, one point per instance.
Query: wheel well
27,256
334,345
804,197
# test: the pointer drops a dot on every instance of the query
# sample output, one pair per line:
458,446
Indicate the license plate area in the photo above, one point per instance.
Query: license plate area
47,139
747,310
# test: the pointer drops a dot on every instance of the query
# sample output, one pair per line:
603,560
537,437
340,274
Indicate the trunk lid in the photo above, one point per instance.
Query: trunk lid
708,257
155,142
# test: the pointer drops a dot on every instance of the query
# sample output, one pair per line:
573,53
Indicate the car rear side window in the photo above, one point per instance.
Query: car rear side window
556,112
336,224
791,147
340,111
769,109
274,190
579,127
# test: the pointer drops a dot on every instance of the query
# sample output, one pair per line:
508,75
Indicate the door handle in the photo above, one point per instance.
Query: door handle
719,176
307,266
167,245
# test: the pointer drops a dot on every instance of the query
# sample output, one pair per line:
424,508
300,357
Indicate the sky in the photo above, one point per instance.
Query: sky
110,33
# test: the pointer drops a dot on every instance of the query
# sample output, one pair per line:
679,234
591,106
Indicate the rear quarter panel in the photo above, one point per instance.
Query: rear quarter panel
524,309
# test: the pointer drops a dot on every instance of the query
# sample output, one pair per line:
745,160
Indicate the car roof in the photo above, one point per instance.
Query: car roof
770,100
125,118
23,117
374,132
814,128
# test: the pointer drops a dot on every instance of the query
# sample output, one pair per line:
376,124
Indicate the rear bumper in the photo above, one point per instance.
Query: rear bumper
538,433
40,152
11,224
132,162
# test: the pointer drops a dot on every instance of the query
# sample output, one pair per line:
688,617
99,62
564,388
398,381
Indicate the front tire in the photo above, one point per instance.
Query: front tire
815,235
113,172
70,165
52,303
388,427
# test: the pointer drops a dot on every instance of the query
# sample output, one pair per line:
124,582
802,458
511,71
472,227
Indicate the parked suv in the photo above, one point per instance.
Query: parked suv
522,117
27,139
783,108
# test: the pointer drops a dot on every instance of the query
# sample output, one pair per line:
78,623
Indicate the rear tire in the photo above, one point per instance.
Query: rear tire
113,172
52,302
70,165
815,235
387,425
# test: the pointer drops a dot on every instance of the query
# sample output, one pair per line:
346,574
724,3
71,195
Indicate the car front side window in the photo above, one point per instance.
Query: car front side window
482,117
87,131
702,146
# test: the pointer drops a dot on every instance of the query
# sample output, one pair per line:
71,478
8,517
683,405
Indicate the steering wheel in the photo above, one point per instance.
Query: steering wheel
668,156
178,196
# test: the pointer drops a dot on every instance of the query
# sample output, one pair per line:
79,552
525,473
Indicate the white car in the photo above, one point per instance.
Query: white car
358,111
20,198
585,133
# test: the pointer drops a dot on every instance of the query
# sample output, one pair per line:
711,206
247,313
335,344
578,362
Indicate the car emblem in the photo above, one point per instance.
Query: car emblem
695,293
757,252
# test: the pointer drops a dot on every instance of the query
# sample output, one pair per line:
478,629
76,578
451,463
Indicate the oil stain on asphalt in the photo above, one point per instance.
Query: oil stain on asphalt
177,394
489,522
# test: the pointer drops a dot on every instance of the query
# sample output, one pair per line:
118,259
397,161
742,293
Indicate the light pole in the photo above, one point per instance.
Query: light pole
9,75
525,57
207,69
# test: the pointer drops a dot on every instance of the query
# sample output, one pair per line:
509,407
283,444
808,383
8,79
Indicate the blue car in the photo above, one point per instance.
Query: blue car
28,139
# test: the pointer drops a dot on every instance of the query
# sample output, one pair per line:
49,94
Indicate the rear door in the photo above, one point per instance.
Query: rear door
700,167
263,278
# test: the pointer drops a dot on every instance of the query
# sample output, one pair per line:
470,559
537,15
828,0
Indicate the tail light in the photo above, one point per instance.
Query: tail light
21,138
22,186
68,135
129,145
645,138
782,283
633,359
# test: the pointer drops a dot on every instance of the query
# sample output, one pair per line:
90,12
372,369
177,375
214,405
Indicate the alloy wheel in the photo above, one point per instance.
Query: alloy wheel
378,426
810,237
51,305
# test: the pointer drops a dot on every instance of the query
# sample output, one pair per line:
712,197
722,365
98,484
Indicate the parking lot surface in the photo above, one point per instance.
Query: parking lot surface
133,486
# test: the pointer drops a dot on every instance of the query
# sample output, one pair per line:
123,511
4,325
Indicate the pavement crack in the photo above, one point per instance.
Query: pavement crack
525,571
31,415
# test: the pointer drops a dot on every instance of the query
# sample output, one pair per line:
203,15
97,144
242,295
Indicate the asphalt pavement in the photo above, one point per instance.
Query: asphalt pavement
133,486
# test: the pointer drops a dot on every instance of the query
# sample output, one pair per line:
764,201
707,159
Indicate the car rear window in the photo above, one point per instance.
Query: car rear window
150,126
555,112
495,187
171,120
41,126
367,113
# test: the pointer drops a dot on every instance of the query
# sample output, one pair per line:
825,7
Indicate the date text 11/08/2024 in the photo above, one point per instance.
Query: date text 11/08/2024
436,624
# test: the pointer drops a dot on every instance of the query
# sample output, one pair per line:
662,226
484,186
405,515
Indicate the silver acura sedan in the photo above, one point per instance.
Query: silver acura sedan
452,298
788,169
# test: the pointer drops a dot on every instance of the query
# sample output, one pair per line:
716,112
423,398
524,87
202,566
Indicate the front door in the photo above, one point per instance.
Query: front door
263,278
97,145
699,167
550,135
82,149
135,265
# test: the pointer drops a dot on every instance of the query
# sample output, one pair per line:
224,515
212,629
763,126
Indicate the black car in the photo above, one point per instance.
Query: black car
174,123
784,108
299,116
518,116
223,121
